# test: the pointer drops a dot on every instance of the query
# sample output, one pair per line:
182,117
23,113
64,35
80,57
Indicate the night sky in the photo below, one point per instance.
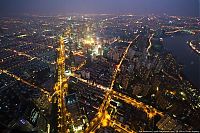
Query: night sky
171,7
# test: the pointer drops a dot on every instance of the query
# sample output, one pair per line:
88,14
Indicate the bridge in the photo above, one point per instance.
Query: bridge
181,30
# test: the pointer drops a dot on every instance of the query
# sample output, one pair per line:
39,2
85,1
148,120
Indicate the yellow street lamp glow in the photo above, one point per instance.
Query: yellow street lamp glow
89,40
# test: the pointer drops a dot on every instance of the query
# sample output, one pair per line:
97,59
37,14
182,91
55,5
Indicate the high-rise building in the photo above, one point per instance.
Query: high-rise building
71,58
30,119
167,123
74,109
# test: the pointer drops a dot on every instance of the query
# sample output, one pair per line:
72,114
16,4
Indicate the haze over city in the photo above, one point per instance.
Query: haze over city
171,7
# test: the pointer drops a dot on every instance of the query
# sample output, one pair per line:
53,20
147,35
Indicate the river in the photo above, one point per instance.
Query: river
183,53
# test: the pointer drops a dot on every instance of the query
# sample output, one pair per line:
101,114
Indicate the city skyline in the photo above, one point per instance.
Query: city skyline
88,66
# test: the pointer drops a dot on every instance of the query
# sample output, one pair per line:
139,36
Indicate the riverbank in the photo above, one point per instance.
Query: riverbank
186,56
